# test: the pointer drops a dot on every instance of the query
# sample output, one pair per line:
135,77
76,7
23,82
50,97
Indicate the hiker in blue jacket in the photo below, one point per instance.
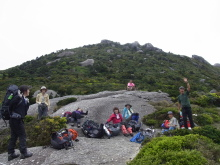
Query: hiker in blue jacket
127,112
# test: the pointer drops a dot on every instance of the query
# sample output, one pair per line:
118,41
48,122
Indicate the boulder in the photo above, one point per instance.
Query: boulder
217,65
109,50
49,92
88,62
49,63
140,51
200,59
135,45
66,53
106,41
119,56
202,80
213,91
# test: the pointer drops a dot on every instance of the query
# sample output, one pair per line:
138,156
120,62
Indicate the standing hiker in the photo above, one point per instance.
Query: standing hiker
130,86
19,107
184,104
43,102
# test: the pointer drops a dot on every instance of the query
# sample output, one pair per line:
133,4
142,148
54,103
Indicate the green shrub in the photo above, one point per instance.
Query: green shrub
151,122
66,101
203,119
38,132
189,149
208,131
210,99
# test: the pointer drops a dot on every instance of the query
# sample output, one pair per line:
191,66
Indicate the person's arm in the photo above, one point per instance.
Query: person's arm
187,83
47,102
123,112
38,99
110,119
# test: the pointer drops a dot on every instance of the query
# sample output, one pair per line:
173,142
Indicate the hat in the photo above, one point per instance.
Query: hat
181,87
43,87
170,113
128,105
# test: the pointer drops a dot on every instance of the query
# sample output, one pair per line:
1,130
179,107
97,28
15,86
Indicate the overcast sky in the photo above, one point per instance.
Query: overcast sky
31,28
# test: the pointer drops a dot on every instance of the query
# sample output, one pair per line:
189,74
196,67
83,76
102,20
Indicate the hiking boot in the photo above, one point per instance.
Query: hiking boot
12,156
78,125
131,134
26,155
126,135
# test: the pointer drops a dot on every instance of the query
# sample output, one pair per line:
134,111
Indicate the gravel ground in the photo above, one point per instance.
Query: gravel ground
115,151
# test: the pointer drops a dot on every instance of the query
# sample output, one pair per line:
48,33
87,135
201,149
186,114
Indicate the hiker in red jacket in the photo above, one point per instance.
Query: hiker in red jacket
116,118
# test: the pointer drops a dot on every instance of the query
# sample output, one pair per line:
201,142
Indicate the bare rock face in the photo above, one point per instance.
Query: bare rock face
213,91
200,59
66,53
117,150
217,65
88,62
49,63
106,41
150,47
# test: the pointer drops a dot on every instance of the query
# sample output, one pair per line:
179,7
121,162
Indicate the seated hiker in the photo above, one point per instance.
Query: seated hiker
68,116
116,118
173,122
127,112
43,102
130,86
77,115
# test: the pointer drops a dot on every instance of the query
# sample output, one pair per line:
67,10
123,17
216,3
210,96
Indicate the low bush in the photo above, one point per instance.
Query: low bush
189,149
210,99
66,101
38,132
208,131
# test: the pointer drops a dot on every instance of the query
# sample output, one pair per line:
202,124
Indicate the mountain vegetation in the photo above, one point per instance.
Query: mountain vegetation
109,66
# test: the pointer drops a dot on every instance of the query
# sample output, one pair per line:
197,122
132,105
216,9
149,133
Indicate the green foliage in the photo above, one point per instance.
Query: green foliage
204,119
189,149
210,99
208,131
150,70
38,132
66,101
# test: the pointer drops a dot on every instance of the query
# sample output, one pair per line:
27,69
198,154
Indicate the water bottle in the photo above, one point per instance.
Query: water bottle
10,97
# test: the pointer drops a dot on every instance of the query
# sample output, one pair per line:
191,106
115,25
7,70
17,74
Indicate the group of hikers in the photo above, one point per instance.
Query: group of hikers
21,104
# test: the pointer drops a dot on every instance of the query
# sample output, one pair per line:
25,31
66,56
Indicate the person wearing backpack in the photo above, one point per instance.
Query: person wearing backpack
19,107
43,102
116,118
127,112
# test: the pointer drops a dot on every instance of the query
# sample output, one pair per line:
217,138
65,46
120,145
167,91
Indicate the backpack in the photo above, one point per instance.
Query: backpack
6,108
134,125
165,125
63,138
113,129
92,130
140,136
68,115
135,116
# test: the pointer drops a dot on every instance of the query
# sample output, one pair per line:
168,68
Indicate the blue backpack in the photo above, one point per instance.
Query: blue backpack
135,116
138,138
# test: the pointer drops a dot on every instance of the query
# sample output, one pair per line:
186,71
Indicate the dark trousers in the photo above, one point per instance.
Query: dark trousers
76,117
17,131
42,111
187,112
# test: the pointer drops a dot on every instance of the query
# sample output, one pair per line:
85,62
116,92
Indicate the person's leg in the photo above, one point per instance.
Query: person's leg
172,128
45,110
40,113
14,137
124,130
184,113
129,129
190,117
22,137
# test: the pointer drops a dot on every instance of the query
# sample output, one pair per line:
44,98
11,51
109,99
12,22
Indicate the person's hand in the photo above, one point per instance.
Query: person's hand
185,80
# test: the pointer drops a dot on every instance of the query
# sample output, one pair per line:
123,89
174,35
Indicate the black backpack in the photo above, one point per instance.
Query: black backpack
6,107
93,130
61,139
135,125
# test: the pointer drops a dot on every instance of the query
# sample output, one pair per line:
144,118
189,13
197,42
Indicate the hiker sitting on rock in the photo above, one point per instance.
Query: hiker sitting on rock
117,118
77,115
173,122
127,112
43,102
130,86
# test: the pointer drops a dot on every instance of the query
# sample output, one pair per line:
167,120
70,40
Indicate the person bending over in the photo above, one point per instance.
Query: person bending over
77,115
